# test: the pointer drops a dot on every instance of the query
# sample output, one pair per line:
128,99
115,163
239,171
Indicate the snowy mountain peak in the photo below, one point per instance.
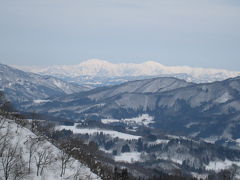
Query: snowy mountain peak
96,68
94,61
153,63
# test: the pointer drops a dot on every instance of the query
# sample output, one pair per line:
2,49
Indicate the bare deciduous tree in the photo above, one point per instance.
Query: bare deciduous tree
3,121
65,159
77,174
12,162
33,144
4,137
43,158
20,168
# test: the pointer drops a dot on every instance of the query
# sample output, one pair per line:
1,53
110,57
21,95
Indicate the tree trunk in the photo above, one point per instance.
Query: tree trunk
38,167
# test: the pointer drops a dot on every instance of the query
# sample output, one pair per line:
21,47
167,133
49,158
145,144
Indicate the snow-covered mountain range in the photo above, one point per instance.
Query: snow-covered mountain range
167,119
95,68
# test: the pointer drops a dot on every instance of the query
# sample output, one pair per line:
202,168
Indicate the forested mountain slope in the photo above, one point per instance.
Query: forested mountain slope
196,110
21,86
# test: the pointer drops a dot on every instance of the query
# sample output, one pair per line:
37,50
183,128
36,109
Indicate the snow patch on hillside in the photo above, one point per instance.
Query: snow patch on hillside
143,119
39,101
221,165
238,142
109,121
129,157
159,141
111,133
224,98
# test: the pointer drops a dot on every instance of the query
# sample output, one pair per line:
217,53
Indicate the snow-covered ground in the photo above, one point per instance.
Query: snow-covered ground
109,121
128,157
221,165
143,119
19,135
238,142
39,101
211,139
112,133
158,141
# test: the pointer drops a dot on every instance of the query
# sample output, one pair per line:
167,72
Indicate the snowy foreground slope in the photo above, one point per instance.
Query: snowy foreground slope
18,138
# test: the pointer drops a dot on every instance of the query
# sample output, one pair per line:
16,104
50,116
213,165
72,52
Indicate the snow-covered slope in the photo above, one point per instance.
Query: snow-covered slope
18,139
154,85
82,102
100,68
21,86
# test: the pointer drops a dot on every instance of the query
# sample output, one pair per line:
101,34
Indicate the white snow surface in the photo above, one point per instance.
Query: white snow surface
112,133
211,139
224,98
109,121
159,141
221,165
143,119
102,68
129,157
238,142
39,101
20,135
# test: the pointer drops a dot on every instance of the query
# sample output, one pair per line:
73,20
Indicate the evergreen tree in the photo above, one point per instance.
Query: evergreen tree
125,148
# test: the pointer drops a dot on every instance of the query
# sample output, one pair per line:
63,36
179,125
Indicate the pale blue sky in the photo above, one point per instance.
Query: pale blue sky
199,33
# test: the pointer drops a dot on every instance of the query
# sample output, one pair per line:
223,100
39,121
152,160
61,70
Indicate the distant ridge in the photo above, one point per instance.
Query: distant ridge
20,86
102,68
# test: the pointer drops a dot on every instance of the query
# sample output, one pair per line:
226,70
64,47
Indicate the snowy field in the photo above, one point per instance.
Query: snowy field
129,157
112,133
144,119
39,101
158,141
238,142
221,165
20,136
